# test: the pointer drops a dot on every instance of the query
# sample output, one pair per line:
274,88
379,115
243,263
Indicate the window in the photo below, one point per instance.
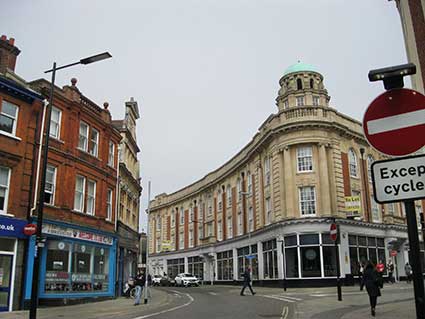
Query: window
181,241
219,230
111,153
249,182
91,197
239,189
300,100
158,223
8,117
285,104
174,267
229,227
311,83
418,209
251,219
109,205
158,246
80,184
299,84
49,189
270,259
240,224
267,171
84,136
191,238
55,122
196,266
94,142
375,210
363,248
305,159
219,200
225,265
315,100
352,162
181,216
370,160
391,208
209,205
229,195
248,256
209,229
191,215
268,211
4,188
173,218
307,201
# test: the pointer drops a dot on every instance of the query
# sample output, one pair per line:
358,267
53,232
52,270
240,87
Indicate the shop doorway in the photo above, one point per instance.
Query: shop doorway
6,262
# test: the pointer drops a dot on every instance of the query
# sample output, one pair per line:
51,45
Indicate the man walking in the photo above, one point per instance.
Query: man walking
390,268
139,282
247,281
408,270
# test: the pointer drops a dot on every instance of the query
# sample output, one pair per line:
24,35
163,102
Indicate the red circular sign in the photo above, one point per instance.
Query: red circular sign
333,232
393,253
394,123
30,229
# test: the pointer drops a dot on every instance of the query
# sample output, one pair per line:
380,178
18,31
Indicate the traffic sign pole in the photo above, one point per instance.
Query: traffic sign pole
418,280
334,234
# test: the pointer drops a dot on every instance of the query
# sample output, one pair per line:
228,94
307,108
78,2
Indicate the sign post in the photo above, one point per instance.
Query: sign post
394,124
334,233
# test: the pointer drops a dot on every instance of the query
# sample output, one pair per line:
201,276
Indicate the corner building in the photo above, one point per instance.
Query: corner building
271,205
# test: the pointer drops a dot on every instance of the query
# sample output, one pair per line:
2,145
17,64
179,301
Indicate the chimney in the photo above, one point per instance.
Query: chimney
8,54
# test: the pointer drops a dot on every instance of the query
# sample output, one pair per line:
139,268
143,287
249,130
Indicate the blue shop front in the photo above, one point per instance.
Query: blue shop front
76,263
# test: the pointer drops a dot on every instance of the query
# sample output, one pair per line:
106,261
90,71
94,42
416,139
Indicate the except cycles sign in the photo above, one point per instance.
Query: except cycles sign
399,179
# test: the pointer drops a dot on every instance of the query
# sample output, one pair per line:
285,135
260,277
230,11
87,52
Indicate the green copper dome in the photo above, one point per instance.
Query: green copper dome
300,67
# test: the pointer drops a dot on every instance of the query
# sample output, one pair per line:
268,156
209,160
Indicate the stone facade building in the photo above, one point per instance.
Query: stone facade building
129,195
20,108
271,205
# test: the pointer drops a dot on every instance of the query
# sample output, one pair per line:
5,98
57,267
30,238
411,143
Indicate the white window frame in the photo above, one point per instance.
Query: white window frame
219,201
158,223
285,104
303,200
304,159
111,154
239,189
15,119
267,174
54,124
191,240
109,204
229,195
249,182
173,218
181,240
191,214
240,223
91,197
209,229
316,100
229,227
82,137
94,142
53,192
300,100
83,193
391,208
219,230
6,190
352,163
370,160
375,210
251,219
268,206
181,216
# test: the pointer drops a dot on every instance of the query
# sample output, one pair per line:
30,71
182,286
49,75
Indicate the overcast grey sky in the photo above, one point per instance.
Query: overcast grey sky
205,73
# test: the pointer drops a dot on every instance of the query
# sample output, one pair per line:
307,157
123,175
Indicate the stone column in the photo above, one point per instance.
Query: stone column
289,183
282,183
186,265
260,261
279,246
235,264
325,191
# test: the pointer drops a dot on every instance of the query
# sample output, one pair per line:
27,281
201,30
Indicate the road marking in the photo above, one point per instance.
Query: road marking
395,122
168,310
277,297
213,293
288,297
285,312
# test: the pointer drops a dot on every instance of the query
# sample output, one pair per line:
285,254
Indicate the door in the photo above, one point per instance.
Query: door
5,282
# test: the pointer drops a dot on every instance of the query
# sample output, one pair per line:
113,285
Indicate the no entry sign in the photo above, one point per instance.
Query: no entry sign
333,232
394,123
30,229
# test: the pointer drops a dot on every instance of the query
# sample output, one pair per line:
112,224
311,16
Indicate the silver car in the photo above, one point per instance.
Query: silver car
185,279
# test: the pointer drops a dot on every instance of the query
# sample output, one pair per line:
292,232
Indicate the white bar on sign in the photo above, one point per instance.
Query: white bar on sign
396,122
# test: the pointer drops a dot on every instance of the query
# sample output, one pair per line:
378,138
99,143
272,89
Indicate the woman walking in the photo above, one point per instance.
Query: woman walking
371,281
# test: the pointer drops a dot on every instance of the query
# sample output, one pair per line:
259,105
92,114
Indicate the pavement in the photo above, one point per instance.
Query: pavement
207,302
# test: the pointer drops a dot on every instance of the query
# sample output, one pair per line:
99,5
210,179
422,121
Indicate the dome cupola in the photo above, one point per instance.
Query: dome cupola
301,85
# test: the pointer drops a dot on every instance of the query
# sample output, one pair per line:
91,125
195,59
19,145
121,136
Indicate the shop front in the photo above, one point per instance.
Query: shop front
12,241
76,263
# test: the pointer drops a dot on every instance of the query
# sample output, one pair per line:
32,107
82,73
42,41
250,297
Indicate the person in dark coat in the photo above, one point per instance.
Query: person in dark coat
371,281
247,281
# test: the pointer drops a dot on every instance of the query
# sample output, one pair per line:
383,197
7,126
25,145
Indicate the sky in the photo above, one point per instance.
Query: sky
205,73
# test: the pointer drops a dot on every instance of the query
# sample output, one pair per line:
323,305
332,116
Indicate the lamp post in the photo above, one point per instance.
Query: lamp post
39,242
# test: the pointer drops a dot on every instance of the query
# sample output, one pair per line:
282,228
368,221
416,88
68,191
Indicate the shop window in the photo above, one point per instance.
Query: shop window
55,123
309,239
101,269
305,159
270,259
225,265
196,267
8,117
310,262
326,239
175,267
4,188
247,257
291,265
329,261
7,244
49,189
57,267
81,266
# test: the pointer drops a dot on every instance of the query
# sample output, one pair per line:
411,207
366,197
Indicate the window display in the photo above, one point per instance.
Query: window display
57,266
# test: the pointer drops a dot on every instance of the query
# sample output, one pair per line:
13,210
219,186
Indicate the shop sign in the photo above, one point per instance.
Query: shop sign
57,276
81,278
102,277
166,245
393,253
352,204
11,227
76,233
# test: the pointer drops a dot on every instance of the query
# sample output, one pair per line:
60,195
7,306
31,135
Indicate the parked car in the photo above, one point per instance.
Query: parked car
185,279
156,280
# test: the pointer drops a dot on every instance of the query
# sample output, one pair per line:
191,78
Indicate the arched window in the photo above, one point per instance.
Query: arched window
312,83
299,84
370,160
352,162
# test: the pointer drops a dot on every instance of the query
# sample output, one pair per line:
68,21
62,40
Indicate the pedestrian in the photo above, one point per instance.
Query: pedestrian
247,281
371,281
390,268
139,282
408,270
380,268
361,271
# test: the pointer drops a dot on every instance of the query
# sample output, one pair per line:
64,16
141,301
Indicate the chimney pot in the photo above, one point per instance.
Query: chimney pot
73,81
12,41
106,105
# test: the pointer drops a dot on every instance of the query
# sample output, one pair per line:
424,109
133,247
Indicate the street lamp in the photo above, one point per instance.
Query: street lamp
39,240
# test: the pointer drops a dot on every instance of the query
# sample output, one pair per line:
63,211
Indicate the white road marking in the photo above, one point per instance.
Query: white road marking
285,312
168,310
395,122
288,297
277,297
213,293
